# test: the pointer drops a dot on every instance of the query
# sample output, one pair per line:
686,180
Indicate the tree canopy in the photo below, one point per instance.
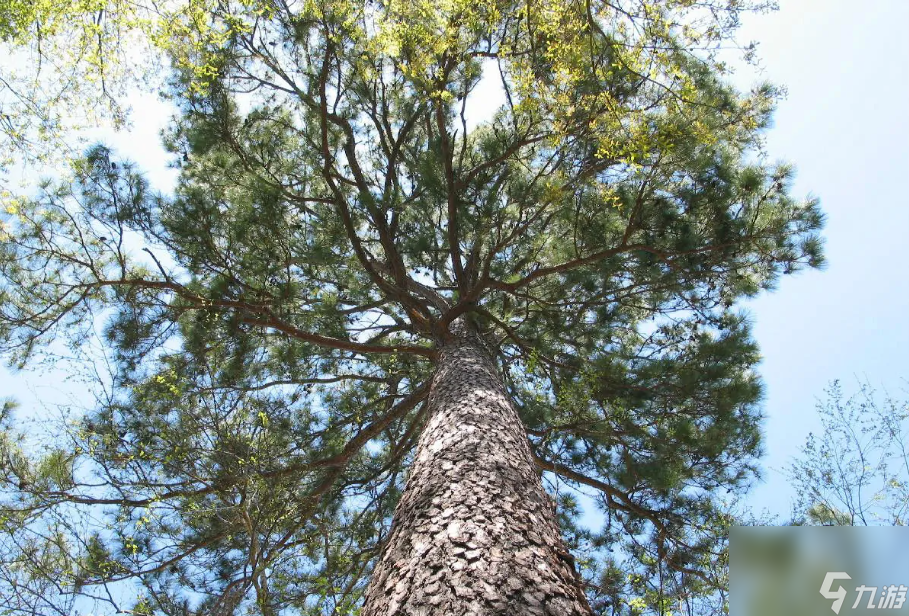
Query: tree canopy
269,330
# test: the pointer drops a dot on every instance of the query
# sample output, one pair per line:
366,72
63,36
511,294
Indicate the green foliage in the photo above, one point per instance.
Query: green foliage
271,328
71,64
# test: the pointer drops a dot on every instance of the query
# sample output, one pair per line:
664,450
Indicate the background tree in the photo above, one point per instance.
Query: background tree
339,238
67,66
70,65
856,472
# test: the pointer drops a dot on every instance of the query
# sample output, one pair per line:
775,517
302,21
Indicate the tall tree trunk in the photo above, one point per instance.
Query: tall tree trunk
474,532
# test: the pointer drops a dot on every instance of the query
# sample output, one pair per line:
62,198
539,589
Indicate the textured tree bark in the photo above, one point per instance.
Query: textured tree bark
474,532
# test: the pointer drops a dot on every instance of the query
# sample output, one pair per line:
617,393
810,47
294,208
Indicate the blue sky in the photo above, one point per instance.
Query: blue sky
845,126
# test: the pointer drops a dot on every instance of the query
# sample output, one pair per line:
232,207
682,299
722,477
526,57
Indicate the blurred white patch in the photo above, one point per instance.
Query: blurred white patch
486,98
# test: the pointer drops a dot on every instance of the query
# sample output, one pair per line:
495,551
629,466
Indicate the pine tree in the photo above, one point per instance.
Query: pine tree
347,352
